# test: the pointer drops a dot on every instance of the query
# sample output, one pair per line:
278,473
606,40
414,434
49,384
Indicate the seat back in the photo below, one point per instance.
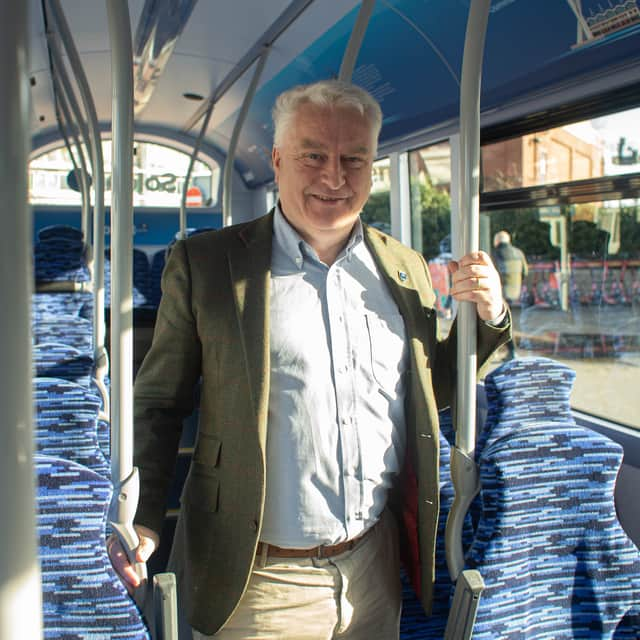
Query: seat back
70,303
72,330
60,256
59,360
66,422
82,596
554,558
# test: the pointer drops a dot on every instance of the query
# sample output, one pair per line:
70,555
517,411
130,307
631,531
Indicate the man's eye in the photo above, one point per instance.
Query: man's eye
355,161
313,158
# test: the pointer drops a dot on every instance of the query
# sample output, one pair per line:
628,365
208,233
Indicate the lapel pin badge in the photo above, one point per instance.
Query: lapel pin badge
402,275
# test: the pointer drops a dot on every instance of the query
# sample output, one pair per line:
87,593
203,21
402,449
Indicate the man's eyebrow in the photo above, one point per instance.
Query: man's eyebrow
360,149
308,143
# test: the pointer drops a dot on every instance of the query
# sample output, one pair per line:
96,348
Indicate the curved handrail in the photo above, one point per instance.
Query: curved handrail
97,161
65,90
187,178
235,136
355,40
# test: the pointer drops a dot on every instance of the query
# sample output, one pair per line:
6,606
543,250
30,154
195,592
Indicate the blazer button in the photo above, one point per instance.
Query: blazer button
253,525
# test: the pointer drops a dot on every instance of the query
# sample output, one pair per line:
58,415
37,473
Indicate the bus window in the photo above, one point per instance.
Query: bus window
593,148
158,178
579,301
377,211
430,177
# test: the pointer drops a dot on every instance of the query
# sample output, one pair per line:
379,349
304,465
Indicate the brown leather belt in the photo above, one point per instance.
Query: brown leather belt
323,551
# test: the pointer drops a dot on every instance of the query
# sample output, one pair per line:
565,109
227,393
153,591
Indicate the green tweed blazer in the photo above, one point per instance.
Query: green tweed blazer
213,325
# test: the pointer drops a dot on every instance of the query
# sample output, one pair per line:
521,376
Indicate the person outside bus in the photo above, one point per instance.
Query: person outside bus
512,267
314,337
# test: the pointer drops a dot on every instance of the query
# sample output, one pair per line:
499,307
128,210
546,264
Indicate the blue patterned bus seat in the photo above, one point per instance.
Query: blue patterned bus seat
82,596
66,417
554,558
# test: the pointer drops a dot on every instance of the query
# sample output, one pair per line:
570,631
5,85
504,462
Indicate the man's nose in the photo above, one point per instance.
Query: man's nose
334,174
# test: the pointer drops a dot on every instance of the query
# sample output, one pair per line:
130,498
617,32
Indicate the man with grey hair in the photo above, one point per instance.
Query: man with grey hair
314,336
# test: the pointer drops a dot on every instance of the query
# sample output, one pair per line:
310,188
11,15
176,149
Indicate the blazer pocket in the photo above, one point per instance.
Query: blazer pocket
207,450
201,488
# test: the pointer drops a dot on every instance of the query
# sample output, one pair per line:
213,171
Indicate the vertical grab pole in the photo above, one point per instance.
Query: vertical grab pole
124,475
235,136
464,471
20,588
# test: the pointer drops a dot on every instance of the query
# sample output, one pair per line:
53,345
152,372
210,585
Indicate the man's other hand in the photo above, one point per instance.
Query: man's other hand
474,278
149,541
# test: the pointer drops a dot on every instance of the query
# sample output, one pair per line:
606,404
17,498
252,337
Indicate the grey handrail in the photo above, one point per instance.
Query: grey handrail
66,121
124,475
67,130
463,468
355,40
275,30
97,161
187,178
65,90
235,136
20,588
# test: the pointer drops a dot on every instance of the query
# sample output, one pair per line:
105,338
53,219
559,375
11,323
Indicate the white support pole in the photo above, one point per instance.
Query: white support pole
400,196
124,475
20,589
463,469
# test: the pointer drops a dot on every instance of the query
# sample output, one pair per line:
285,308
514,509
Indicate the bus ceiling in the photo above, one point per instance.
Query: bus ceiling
201,50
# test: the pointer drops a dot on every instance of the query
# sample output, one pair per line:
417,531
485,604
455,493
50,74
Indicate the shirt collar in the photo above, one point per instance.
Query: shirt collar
298,249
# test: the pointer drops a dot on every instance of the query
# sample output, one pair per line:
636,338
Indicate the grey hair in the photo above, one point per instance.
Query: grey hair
325,93
500,237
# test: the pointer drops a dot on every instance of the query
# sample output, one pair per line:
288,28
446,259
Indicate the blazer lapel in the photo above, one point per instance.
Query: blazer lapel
250,269
398,278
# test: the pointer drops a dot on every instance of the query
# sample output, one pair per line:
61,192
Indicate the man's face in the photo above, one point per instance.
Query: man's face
323,170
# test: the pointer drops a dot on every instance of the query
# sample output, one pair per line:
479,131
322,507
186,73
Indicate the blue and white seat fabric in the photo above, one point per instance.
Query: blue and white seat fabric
83,599
56,360
66,329
72,303
60,360
66,423
555,560
60,256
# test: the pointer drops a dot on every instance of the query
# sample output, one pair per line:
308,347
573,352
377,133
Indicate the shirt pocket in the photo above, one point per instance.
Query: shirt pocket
387,351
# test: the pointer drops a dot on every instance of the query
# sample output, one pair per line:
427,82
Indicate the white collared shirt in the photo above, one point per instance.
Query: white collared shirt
336,427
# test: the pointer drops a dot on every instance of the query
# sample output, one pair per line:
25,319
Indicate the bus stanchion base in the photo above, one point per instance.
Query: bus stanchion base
466,599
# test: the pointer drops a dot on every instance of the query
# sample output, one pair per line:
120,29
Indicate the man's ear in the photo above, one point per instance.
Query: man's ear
275,161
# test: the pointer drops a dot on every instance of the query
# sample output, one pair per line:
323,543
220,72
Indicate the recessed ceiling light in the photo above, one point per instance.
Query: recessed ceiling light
192,96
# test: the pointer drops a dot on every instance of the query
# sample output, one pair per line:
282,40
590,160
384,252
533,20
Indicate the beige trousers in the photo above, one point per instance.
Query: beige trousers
353,596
